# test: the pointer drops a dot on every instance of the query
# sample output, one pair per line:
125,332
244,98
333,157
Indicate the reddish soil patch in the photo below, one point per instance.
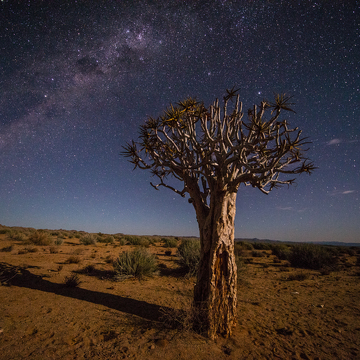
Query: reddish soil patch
278,318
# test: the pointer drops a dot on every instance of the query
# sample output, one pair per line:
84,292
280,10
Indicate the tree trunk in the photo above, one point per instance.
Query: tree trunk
215,289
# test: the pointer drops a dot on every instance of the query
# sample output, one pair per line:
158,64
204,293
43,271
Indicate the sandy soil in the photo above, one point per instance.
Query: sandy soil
40,318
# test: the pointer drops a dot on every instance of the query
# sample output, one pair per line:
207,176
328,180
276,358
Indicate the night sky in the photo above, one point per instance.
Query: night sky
79,77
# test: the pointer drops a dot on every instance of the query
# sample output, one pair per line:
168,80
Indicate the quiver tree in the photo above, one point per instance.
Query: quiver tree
211,151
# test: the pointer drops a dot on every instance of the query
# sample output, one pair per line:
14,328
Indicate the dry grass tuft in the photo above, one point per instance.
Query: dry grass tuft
72,281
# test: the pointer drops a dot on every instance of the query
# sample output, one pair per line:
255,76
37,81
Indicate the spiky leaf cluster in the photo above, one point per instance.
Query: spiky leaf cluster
215,148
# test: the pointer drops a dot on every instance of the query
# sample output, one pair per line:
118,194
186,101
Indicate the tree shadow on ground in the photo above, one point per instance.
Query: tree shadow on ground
21,277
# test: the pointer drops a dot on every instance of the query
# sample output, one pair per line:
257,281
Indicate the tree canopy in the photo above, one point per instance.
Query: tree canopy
215,145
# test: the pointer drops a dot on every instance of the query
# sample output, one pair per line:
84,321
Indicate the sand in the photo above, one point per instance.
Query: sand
278,318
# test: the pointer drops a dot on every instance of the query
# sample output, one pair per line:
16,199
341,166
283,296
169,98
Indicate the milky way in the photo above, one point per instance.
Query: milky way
78,78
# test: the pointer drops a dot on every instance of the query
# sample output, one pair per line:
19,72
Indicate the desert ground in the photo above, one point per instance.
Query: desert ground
283,312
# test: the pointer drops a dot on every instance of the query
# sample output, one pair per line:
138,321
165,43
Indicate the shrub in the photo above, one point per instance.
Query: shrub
72,281
255,253
122,242
169,242
282,252
40,238
244,245
261,246
107,240
28,250
53,250
138,263
58,241
189,254
7,248
15,235
73,260
310,256
87,239
137,240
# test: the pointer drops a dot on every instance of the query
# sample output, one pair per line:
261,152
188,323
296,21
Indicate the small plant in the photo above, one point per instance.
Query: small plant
59,241
53,250
189,254
138,263
87,239
188,318
40,237
122,242
31,250
88,269
72,281
73,260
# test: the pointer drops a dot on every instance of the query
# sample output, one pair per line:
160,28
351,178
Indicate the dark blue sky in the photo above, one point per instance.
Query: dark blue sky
79,77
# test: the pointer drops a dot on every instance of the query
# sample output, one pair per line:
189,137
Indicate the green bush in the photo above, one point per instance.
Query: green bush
281,251
40,237
138,263
106,239
309,256
261,246
122,242
59,241
189,254
169,242
137,240
256,253
243,245
87,239
15,235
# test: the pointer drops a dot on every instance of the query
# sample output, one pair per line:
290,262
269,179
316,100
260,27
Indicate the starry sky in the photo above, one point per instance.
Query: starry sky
79,77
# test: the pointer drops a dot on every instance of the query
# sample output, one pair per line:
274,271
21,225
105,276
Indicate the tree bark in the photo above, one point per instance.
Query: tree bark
215,289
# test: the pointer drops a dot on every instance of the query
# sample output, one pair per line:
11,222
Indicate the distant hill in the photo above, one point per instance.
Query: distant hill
331,243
